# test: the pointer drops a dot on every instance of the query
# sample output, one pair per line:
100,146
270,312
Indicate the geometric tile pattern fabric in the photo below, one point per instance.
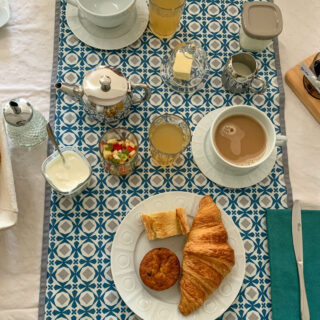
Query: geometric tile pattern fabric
81,230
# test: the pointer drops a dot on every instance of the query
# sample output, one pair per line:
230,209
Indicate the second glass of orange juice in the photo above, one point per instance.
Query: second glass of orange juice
165,16
169,135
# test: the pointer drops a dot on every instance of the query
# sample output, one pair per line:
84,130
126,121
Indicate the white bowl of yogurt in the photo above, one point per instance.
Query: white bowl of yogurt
67,178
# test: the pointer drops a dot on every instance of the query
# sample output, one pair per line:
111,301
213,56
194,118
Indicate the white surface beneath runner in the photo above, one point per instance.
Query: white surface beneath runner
26,45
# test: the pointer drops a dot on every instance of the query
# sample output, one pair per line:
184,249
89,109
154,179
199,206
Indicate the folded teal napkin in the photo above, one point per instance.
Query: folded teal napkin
285,294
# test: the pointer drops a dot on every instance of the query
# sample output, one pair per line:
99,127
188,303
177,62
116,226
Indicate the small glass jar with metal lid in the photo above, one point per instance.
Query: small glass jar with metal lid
261,22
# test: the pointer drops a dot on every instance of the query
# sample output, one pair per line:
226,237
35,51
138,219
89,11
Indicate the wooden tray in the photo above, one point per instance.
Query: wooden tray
294,79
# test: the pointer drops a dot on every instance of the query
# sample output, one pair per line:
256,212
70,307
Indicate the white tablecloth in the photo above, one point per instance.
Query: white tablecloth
26,49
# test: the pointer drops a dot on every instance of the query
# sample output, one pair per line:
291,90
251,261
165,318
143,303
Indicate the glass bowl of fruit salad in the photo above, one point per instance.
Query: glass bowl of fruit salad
118,149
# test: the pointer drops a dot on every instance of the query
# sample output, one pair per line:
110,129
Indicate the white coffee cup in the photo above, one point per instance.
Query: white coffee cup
104,13
273,140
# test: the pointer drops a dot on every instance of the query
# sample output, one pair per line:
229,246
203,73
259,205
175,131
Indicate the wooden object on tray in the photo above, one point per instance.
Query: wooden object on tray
294,79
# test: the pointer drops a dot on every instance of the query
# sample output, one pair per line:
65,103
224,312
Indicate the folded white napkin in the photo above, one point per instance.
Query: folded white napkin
4,12
8,201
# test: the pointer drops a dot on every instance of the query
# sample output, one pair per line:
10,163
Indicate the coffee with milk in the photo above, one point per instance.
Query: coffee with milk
240,139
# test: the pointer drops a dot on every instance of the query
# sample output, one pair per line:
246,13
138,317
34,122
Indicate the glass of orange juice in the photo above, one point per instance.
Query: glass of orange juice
169,136
165,16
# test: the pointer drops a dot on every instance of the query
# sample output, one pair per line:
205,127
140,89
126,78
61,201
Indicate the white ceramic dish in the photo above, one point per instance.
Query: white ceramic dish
109,38
8,201
130,244
4,12
213,169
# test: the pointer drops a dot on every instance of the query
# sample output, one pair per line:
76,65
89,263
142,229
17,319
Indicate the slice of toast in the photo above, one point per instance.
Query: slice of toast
165,224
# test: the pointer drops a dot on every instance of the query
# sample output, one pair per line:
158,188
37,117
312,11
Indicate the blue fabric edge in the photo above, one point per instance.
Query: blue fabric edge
47,199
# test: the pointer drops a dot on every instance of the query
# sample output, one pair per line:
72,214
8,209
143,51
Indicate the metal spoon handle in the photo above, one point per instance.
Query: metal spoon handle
54,142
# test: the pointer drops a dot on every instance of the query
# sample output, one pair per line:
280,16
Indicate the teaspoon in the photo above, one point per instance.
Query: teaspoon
54,142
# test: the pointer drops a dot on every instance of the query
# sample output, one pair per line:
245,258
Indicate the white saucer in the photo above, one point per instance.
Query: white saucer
109,38
216,172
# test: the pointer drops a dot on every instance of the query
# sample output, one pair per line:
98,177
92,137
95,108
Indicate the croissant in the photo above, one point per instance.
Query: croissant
207,257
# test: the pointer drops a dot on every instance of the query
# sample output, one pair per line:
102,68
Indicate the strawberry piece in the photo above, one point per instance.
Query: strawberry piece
131,149
117,146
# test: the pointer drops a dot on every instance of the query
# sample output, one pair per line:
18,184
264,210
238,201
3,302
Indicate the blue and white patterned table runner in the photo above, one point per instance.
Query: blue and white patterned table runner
77,283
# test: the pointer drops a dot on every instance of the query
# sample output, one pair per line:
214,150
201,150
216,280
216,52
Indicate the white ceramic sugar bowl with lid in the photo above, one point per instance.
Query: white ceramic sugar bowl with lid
261,22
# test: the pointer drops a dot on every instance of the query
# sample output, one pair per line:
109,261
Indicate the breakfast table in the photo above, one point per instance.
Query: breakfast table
29,63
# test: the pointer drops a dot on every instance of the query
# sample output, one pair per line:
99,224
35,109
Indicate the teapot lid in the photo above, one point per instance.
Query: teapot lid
105,86
18,112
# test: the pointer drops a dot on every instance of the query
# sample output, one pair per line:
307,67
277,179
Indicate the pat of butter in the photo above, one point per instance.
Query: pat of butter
182,66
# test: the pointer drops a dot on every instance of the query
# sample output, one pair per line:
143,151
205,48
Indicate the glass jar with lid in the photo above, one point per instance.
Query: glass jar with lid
26,126
197,74
261,22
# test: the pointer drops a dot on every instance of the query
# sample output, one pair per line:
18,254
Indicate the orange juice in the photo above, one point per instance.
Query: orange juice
167,138
165,16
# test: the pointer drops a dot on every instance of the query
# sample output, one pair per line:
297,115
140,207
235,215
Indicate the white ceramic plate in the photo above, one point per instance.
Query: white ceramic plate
130,244
109,38
216,172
